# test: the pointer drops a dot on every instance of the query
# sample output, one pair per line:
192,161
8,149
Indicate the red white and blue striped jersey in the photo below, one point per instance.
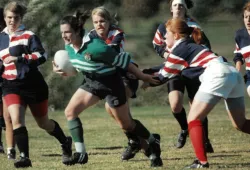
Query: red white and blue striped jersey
242,50
24,45
188,59
116,37
159,38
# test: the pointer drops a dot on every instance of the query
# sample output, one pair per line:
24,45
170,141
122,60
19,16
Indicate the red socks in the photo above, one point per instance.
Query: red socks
196,135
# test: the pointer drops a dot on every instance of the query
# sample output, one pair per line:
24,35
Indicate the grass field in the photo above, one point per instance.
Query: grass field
105,142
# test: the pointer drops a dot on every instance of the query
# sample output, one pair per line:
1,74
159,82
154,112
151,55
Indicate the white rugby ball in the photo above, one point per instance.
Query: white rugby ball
61,60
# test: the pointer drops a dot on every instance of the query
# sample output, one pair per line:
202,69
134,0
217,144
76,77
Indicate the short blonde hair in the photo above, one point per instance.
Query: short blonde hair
15,7
103,12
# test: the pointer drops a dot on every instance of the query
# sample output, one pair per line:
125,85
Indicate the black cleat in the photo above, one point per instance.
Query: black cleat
132,148
11,154
155,150
208,147
1,148
77,158
197,165
182,137
148,151
23,162
67,151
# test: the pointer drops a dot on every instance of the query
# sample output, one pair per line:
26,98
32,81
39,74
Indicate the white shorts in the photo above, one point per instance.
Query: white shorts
223,80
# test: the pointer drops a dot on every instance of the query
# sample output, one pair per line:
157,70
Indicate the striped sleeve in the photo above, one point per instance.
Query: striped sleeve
34,54
173,66
237,54
158,41
122,60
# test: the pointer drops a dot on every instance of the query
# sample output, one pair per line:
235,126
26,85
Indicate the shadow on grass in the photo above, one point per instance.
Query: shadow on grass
52,155
232,165
221,155
109,148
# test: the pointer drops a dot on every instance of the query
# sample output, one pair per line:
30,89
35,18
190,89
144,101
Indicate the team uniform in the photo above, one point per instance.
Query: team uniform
22,81
23,84
191,60
98,63
242,51
177,83
115,39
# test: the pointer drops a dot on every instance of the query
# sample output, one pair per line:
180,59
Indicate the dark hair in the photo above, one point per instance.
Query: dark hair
189,3
180,26
2,22
76,21
15,7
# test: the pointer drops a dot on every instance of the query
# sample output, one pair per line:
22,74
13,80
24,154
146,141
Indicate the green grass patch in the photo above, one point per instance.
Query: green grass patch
105,142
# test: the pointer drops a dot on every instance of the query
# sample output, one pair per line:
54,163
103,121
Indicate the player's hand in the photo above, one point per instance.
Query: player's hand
150,79
58,70
10,59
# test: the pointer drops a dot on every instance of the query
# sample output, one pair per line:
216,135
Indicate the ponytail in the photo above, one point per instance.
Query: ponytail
196,35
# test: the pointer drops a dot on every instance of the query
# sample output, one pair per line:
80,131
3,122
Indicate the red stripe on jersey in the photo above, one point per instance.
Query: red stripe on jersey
202,56
109,40
9,77
24,36
177,61
158,41
5,56
33,56
173,71
10,67
247,64
206,61
246,54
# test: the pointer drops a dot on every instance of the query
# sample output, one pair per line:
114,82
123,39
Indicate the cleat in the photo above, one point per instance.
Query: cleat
197,165
132,148
77,158
23,162
11,154
182,137
1,148
67,151
208,147
155,150
148,152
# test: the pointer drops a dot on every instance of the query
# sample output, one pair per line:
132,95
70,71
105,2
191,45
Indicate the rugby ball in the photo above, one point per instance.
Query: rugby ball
61,60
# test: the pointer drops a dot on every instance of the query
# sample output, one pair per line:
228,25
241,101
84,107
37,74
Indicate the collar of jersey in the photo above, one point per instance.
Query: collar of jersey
20,29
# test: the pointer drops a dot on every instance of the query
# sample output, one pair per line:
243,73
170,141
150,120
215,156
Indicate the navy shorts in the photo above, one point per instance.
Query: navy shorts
110,88
33,89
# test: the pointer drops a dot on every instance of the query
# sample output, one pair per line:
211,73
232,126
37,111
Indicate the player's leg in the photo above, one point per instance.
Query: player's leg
80,101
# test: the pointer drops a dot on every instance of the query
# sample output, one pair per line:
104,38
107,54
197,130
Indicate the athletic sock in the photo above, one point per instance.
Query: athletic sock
76,131
22,141
181,117
196,135
205,128
246,127
58,133
141,131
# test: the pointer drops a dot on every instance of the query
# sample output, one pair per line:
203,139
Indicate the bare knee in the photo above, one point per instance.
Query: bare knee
69,113
176,107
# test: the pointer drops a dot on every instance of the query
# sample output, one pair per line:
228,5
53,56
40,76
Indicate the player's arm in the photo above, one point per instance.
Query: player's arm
35,54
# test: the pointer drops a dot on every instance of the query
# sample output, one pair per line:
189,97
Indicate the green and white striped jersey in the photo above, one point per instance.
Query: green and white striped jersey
96,57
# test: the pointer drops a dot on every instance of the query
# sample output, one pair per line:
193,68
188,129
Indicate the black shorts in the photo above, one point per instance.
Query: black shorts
176,83
110,88
32,89
131,82
192,86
